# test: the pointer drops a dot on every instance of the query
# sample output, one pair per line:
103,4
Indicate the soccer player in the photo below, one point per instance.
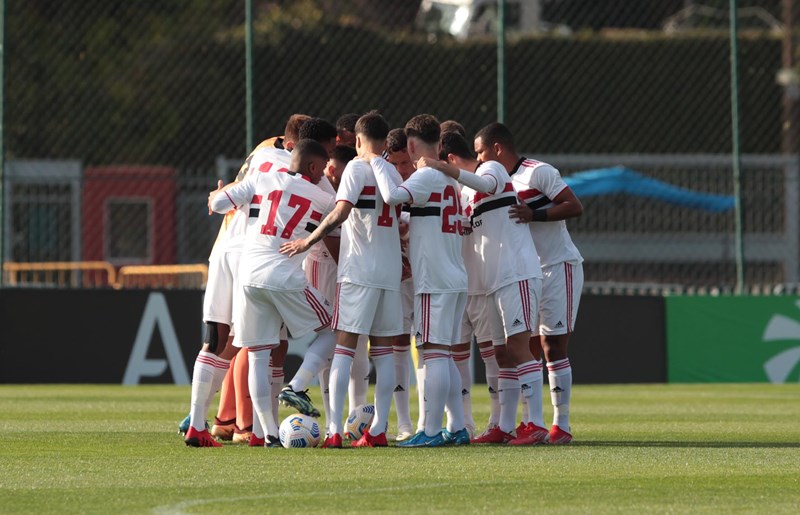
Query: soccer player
219,306
397,154
440,279
368,297
510,278
548,201
346,129
453,126
276,291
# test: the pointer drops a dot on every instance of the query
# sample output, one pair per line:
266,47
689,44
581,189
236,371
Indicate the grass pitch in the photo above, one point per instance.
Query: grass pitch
653,448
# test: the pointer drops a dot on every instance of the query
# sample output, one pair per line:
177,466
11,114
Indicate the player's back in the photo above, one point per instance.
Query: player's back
435,233
369,253
288,207
506,248
537,184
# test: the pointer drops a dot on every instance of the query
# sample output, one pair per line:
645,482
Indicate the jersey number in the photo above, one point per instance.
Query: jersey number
385,219
450,211
302,204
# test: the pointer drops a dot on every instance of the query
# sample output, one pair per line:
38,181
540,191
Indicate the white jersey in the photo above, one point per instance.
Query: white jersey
287,206
537,184
435,233
369,253
262,160
506,249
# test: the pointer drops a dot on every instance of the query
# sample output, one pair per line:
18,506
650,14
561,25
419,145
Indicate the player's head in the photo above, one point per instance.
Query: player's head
346,129
494,143
453,126
309,158
291,133
455,150
371,130
397,152
341,155
422,133
319,130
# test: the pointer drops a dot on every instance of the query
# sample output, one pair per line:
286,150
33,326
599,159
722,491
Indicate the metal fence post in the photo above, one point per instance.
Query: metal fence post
501,61
737,187
2,133
248,58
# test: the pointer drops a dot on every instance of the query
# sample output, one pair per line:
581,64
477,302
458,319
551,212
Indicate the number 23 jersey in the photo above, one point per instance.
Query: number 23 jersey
288,207
435,233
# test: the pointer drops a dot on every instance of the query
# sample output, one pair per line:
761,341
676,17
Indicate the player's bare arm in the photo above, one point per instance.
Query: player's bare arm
566,206
334,219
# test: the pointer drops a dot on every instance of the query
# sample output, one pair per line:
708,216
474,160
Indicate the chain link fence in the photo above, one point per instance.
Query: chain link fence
117,115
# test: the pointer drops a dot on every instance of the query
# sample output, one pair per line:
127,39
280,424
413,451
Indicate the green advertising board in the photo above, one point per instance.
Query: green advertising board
733,339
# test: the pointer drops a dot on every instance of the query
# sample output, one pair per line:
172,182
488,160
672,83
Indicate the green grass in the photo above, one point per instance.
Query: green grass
654,448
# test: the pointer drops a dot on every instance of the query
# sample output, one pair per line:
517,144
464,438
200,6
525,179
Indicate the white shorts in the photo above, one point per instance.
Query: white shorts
322,276
438,317
264,312
367,310
475,321
223,281
514,308
561,296
407,295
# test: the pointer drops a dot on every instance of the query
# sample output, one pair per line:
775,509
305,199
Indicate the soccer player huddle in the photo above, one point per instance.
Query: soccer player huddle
408,233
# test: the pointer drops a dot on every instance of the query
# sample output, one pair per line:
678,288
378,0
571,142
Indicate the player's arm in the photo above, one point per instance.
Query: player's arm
389,182
484,184
331,222
230,196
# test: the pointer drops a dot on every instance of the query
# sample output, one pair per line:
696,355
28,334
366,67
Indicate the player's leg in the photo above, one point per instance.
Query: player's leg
306,315
563,301
386,326
352,315
487,351
460,355
402,363
225,420
521,303
260,333
419,371
450,316
278,373
359,374
240,371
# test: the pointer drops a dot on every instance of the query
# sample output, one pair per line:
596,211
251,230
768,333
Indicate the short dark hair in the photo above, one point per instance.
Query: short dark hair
292,130
317,129
347,122
455,143
373,126
396,141
306,148
343,154
453,126
425,127
496,133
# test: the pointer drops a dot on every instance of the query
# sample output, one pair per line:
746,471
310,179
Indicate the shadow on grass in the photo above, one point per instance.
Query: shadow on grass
678,444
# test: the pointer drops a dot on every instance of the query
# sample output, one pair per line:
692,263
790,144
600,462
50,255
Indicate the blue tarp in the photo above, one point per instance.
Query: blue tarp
608,181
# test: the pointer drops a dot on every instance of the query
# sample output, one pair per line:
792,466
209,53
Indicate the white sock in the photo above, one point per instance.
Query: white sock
402,369
316,358
260,390
461,360
340,377
455,402
530,383
209,371
437,386
257,429
559,373
508,390
492,371
420,371
277,383
324,379
359,375
383,361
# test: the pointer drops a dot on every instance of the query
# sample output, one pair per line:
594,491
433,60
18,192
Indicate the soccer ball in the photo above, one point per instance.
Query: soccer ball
359,421
299,431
